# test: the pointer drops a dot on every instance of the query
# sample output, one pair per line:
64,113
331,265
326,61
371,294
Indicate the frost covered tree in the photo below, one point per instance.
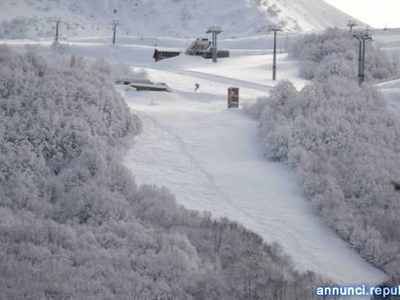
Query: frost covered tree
73,223
344,142
335,52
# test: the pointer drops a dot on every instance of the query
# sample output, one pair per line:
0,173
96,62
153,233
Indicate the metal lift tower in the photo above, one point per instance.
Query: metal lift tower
58,21
274,28
351,24
214,30
362,38
114,29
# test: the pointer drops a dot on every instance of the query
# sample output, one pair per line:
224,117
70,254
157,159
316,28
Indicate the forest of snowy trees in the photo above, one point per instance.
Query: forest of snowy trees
344,142
335,52
73,223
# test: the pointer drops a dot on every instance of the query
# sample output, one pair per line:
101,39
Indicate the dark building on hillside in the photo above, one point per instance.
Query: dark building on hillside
199,47
202,47
220,54
160,55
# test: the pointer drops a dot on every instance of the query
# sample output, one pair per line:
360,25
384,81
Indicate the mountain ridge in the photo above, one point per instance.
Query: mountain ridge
173,18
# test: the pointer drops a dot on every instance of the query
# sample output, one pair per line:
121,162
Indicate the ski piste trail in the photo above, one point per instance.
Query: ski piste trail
210,157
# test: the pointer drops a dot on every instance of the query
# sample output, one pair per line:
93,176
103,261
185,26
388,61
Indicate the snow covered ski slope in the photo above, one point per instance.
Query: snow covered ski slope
210,157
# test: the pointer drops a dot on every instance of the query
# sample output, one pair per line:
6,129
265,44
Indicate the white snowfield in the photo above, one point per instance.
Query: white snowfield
239,18
210,157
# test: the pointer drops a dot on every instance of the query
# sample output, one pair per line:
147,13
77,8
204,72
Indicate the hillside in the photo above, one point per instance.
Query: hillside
75,225
176,18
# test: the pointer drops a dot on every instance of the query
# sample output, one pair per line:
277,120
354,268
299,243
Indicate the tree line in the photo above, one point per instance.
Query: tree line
75,225
343,140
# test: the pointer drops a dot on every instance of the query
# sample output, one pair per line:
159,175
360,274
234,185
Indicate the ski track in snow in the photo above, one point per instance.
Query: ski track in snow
222,79
211,159
211,184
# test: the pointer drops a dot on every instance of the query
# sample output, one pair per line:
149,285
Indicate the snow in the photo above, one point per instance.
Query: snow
176,18
210,157
391,91
388,40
